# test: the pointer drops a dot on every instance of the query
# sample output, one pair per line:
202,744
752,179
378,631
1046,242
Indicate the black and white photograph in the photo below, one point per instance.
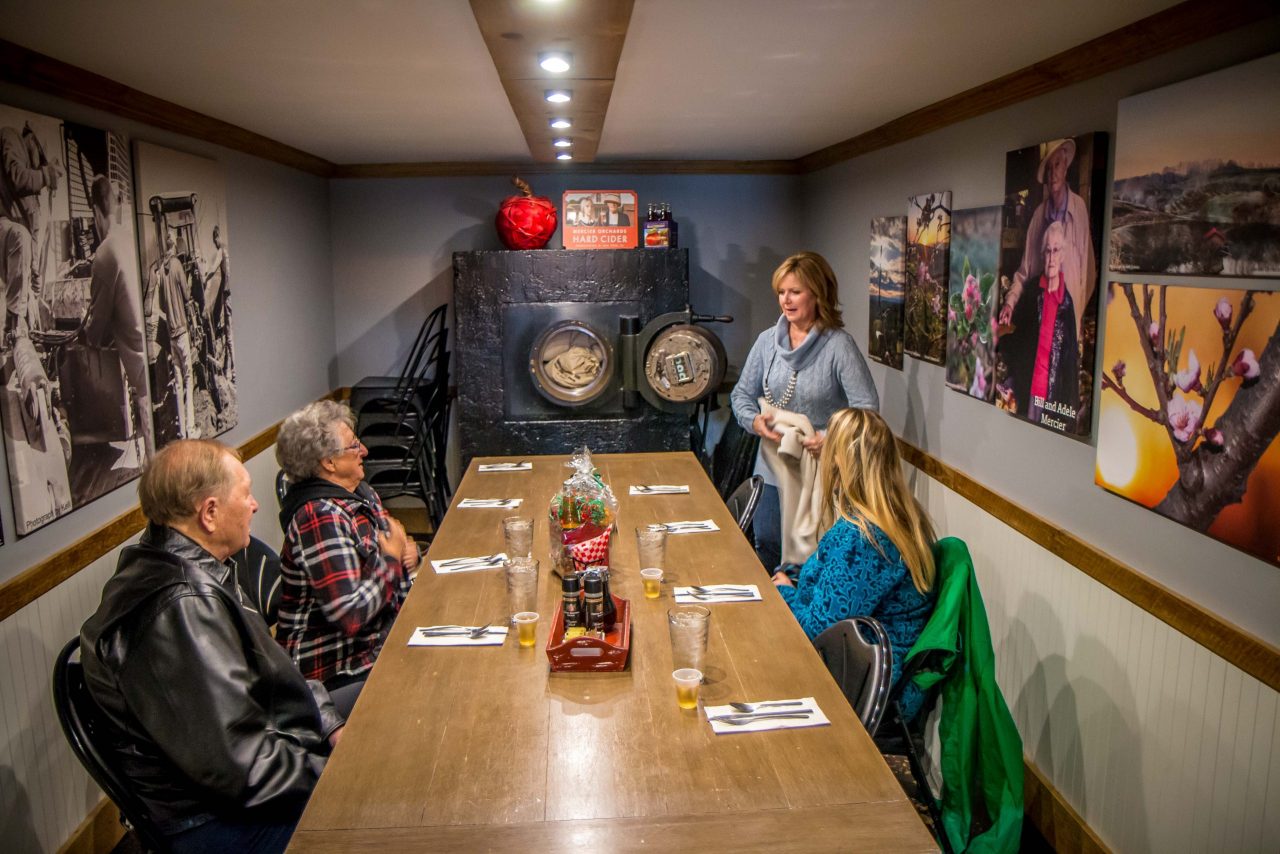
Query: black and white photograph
182,233
76,405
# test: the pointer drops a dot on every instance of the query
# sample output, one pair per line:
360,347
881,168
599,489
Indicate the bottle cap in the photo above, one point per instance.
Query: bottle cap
593,583
571,583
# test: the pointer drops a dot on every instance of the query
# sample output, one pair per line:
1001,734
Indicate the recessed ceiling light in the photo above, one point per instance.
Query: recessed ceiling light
559,96
562,142
561,124
555,61
564,155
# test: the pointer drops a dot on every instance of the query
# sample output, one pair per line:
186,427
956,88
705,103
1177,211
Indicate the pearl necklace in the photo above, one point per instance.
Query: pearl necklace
786,395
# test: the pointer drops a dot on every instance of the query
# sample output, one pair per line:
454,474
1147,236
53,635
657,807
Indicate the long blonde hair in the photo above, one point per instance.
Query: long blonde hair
862,479
813,271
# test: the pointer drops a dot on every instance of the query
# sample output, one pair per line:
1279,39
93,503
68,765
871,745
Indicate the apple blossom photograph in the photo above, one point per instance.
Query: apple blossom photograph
1190,409
888,275
1197,173
928,245
973,294
1047,318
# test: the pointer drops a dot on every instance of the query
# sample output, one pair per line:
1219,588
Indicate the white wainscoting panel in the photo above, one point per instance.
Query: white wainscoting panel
1158,743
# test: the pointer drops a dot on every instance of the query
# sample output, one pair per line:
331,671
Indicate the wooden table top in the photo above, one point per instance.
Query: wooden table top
484,748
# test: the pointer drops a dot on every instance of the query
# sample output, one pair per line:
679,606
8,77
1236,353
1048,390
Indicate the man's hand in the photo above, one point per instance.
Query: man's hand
336,736
761,426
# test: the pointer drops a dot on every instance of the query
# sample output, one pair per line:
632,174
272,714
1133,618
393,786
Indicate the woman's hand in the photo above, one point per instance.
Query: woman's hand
814,444
410,558
1006,314
780,579
392,541
762,426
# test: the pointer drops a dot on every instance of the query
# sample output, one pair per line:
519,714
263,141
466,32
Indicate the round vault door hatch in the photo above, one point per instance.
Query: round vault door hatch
685,363
571,363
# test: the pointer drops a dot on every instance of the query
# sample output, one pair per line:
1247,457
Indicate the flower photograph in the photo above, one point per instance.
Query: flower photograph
928,244
1190,409
971,322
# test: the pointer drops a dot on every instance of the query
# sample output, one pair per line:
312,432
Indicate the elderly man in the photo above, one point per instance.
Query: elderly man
1062,205
346,563
221,736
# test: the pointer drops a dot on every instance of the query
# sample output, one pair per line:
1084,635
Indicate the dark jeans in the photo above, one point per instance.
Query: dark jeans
767,526
257,832
344,691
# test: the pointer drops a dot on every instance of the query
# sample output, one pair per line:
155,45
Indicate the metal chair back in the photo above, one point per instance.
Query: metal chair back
744,500
858,654
258,572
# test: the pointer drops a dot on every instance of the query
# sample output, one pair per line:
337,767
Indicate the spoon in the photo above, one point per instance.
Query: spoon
462,560
460,631
751,707
748,719
721,588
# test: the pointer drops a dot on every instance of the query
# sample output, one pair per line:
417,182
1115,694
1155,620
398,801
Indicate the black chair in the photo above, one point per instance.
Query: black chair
282,487
258,572
393,393
84,726
861,667
733,458
744,500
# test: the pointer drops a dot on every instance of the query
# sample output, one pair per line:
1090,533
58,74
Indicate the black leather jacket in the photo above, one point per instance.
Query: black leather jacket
211,716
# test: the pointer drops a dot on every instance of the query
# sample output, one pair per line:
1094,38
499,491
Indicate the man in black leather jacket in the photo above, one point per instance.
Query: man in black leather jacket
219,733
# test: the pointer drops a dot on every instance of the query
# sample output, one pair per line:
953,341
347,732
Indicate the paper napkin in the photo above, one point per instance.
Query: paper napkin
659,489
495,636
468,564
521,466
713,593
814,717
504,503
691,527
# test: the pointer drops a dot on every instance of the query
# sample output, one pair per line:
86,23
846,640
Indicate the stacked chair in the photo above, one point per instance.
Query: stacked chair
404,422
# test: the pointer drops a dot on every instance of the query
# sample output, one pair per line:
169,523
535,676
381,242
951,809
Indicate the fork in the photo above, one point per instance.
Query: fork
732,594
721,588
460,631
743,720
457,561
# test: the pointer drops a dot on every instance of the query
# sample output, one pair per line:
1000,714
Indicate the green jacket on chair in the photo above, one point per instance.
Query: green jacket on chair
981,748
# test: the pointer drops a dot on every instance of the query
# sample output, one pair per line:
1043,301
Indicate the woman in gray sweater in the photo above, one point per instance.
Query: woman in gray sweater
806,363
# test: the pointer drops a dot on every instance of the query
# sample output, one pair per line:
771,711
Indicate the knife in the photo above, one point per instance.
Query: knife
742,716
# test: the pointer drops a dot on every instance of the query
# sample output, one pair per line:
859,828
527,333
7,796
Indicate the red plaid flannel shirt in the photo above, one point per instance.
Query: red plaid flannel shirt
339,595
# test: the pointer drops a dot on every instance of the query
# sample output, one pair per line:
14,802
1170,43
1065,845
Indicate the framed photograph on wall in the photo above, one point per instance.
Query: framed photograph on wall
1190,409
600,219
928,265
1197,178
972,298
888,278
75,404
182,231
1047,319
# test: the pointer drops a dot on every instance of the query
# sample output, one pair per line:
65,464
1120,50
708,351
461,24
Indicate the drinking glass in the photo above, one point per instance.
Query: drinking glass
517,531
687,680
688,625
527,627
651,543
522,584
652,580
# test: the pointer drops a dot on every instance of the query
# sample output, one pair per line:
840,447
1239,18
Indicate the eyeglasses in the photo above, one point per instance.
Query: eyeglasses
353,448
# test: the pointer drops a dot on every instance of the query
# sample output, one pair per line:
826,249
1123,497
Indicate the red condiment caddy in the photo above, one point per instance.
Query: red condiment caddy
586,654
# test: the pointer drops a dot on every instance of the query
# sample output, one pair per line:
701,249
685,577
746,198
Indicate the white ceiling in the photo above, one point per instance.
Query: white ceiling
384,81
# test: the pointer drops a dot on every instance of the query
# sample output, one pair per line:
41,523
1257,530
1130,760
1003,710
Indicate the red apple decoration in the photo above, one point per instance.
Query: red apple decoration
526,221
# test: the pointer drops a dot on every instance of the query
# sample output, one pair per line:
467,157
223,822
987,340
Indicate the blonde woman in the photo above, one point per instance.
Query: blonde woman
876,558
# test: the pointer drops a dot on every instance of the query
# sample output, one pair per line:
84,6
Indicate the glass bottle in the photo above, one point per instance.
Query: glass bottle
593,585
570,588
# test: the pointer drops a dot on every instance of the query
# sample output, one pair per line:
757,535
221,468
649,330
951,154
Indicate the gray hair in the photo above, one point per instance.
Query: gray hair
1055,228
308,436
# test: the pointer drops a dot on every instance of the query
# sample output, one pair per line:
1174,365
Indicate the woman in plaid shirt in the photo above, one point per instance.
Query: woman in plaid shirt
345,562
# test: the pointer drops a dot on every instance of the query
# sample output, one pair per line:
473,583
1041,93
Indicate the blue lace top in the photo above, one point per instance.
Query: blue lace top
848,577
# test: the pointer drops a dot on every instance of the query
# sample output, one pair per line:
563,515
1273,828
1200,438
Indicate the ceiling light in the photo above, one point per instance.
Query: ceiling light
564,155
559,96
555,61
561,124
562,142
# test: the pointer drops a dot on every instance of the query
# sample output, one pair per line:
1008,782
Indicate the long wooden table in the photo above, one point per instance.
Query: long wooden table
484,749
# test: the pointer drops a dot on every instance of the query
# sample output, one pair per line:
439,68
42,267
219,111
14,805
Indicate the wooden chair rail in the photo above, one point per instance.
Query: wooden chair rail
1251,654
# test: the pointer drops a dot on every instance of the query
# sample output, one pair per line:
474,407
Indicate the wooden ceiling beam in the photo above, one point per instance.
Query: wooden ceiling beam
592,31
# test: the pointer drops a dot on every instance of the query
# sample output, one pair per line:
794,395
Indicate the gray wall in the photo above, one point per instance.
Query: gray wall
282,300
393,242
1048,474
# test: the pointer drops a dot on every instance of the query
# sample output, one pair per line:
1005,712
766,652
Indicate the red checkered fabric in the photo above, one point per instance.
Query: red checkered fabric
593,552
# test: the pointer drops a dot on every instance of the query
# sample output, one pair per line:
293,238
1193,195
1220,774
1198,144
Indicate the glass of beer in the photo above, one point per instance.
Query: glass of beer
652,579
687,681
527,627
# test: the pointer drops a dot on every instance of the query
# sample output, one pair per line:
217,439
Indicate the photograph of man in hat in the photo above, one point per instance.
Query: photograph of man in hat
1044,313
615,215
